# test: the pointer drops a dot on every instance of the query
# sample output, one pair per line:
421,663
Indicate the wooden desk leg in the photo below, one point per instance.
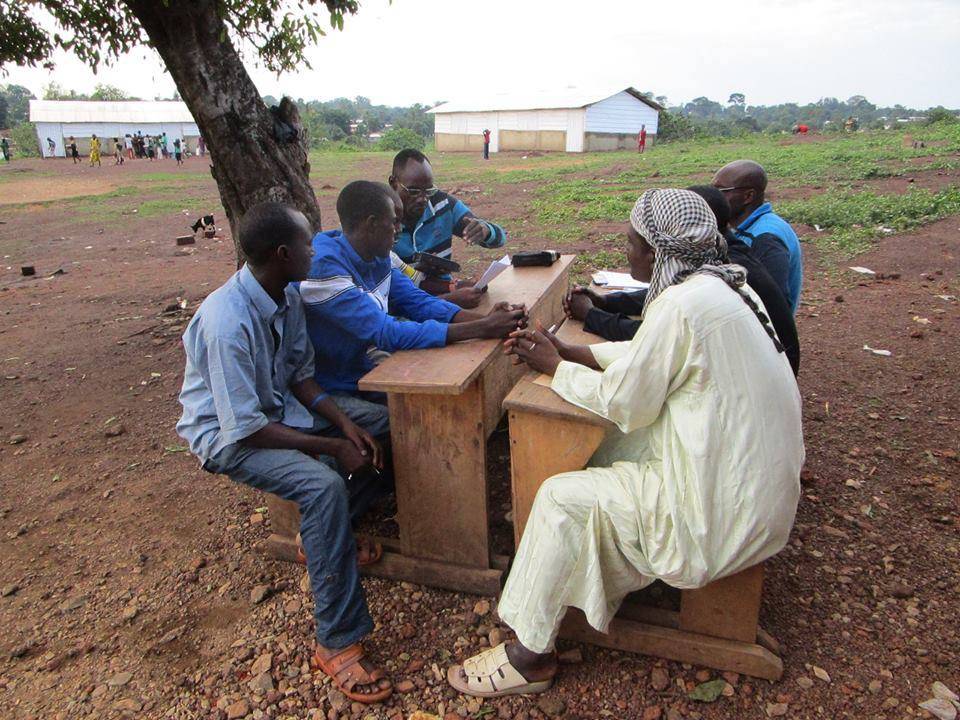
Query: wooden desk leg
726,608
284,525
439,454
541,447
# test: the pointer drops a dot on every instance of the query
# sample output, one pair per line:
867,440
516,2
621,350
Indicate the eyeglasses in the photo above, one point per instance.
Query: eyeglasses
735,187
424,192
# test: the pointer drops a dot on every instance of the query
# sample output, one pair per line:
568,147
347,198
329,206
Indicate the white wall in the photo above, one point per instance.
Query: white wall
622,113
59,132
473,123
575,125
469,124
50,130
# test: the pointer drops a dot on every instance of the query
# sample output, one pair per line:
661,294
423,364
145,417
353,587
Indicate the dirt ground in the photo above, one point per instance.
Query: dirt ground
126,572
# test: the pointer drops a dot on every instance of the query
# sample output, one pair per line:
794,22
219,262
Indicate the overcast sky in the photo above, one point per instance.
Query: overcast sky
773,51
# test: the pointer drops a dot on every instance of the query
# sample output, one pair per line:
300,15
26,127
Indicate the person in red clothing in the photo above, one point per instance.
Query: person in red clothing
642,139
486,144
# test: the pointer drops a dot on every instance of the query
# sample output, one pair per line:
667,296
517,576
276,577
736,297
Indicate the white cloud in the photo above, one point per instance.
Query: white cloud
772,51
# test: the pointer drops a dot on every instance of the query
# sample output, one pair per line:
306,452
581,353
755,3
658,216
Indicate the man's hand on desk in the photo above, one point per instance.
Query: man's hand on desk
538,358
580,300
537,348
466,297
502,319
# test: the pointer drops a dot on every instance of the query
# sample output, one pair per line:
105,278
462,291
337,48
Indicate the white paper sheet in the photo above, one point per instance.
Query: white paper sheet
624,281
496,267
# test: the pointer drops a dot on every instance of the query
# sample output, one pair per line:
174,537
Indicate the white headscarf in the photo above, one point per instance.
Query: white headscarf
682,229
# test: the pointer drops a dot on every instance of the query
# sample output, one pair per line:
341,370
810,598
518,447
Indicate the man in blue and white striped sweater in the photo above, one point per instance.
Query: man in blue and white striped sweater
431,218
354,297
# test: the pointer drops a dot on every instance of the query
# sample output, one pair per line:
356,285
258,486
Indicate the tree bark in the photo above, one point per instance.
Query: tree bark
248,162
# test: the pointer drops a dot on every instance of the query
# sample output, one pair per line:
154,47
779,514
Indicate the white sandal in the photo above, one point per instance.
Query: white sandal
490,674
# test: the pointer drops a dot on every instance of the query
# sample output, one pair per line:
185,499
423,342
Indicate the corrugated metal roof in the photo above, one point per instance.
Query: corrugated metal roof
126,111
544,100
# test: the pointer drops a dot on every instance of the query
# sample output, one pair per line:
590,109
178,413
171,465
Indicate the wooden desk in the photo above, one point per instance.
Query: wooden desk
716,626
444,404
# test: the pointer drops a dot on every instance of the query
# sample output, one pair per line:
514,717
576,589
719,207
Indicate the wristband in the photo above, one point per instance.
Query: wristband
317,399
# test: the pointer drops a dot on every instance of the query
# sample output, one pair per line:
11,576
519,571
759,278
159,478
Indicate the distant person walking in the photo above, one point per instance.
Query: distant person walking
95,151
117,151
201,146
178,151
128,144
5,148
486,144
51,147
150,147
164,150
73,150
642,139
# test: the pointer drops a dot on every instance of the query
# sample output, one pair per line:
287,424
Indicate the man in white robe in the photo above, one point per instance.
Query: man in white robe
702,480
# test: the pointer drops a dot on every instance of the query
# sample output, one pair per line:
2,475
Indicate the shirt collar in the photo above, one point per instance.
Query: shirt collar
752,217
262,301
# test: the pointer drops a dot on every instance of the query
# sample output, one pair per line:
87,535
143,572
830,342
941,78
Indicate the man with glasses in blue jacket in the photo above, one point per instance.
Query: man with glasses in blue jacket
431,218
771,239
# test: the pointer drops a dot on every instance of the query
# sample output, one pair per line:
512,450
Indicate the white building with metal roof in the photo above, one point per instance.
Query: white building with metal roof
60,120
571,120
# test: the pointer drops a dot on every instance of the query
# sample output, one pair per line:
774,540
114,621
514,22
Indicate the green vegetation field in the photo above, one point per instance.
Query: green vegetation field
840,182
842,191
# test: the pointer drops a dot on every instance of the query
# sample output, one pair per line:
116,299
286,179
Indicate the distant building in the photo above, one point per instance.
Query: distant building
61,119
570,120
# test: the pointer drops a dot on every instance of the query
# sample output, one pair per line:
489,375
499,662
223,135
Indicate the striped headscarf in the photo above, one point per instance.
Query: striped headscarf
682,229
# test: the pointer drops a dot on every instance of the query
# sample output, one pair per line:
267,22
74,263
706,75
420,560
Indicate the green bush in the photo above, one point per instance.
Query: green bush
23,137
674,126
400,139
941,114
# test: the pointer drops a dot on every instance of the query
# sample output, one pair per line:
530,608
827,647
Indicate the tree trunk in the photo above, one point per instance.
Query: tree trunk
248,162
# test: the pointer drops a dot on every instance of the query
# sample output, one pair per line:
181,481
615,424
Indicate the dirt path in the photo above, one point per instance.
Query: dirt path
126,572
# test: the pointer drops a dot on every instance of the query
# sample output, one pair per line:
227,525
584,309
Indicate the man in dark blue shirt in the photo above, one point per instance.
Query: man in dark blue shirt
770,238
615,316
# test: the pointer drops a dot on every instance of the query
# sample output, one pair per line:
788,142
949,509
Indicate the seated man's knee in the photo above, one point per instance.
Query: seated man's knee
561,491
323,484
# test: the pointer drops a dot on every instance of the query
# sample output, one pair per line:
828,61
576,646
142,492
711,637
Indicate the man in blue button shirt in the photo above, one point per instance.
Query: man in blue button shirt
359,305
252,411
431,218
771,239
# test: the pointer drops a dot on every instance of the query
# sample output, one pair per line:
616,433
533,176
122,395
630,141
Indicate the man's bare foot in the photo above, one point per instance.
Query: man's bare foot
533,666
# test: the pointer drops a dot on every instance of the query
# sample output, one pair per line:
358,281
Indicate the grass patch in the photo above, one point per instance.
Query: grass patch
855,219
122,201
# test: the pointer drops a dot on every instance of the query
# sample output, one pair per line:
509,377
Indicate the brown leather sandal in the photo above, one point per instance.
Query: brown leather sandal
346,672
364,557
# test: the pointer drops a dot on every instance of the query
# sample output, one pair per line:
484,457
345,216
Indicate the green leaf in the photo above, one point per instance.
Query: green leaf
708,692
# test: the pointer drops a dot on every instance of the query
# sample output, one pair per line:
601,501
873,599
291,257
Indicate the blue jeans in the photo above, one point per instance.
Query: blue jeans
327,504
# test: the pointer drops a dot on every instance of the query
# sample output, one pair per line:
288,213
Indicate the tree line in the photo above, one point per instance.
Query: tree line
706,117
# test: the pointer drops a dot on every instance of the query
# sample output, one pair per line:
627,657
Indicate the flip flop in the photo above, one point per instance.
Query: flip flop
346,672
361,561
490,674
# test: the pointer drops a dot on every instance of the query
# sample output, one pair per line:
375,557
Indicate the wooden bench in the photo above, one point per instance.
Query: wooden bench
444,404
716,626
